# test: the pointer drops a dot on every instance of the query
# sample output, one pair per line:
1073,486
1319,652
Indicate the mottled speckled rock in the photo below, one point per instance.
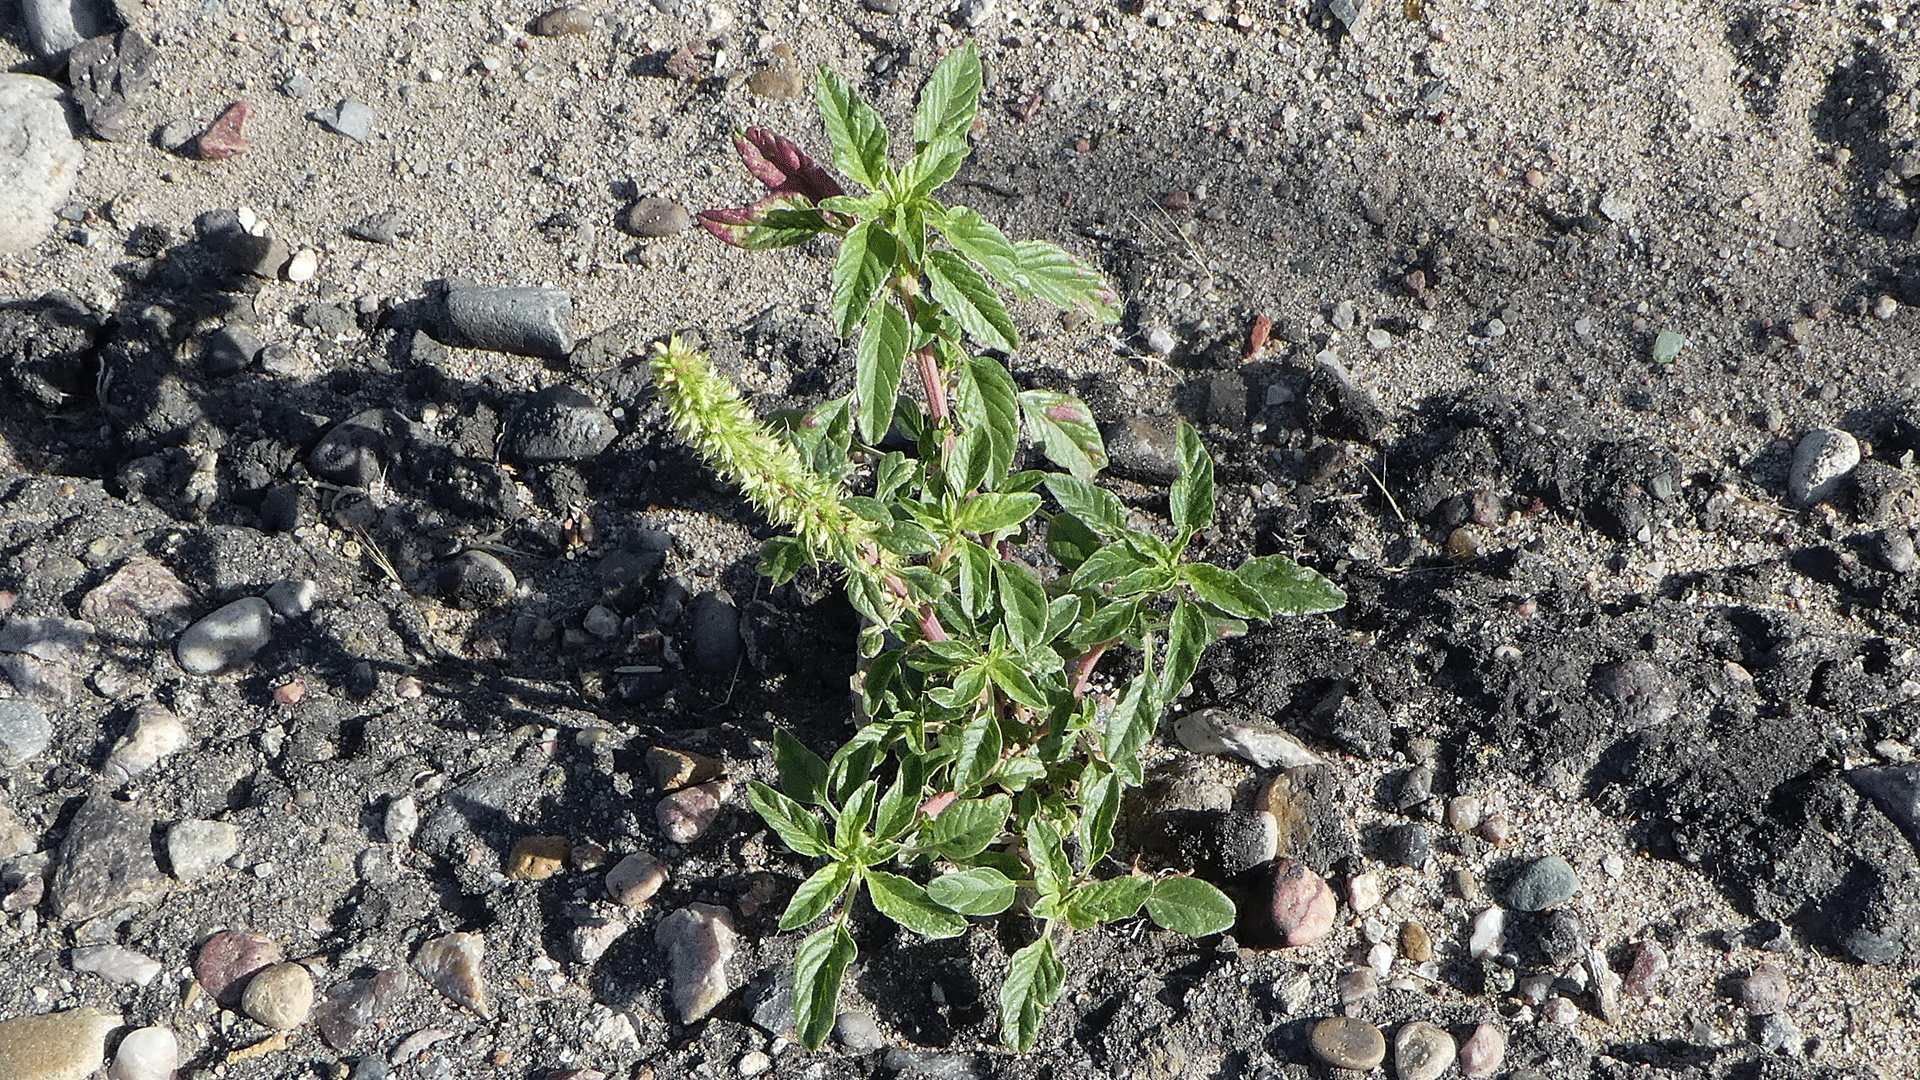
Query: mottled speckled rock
1421,1051
227,959
634,879
1302,903
451,965
1346,1042
1543,884
279,996
39,157
106,860
698,940
58,1046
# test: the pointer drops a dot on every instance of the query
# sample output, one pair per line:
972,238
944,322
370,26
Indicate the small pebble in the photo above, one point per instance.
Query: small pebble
1422,1051
1777,1035
115,963
1543,884
1765,991
563,21
301,268
1821,460
673,769
753,1063
1408,845
857,1032
225,139
279,996
591,939
1343,316
1346,1042
451,965
686,815
1885,307
349,117
198,849
226,638
1649,963
148,1053
25,731
156,733
1488,935
1496,829
401,820
106,860
653,218
536,858
1161,342
634,879
1302,905
1355,985
1416,944
227,959
1558,1010
1465,812
1363,891
1483,1052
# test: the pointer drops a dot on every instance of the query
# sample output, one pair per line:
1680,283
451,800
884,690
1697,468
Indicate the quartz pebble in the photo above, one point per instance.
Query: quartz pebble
1217,731
1488,935
1558,1010
1421,1051
591,939
1363,891
226,638
66,1045
1346,1042
227,959
1821,460
686,815
401,820
698,940
302,267
1302,904
634,879
279,996
355,1004
156,733
148,1053
451,965
115,963
1484,1051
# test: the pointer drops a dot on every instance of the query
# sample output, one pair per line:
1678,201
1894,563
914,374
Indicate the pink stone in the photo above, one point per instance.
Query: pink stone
1483,1051
1363,891
224,139
1765,991
685,815
1303,903
228,959
355,1004
1649,963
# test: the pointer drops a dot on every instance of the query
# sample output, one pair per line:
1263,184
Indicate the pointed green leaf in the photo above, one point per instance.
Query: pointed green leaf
950,98
1289,588
1070,541
980,890
1187,638
1191,498
991,512
882,354
854,762
907,904
1063,613
1051,872
1225,590
816,894
901,803
1064,281
1033,984
1132,723
818,966
796,825
978,752
803,776
1016,683
867,255
964,692
991,407
963,293
936,163
782,557
1106,565
1113,622
976,578
1107,901
1190,906
855,816
1063,425
1100,792
1101,510
965,828
892,473
1024,601
978,239
859,138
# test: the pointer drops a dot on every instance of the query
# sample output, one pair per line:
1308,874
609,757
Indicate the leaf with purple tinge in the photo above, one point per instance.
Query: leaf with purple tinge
776,221
785,168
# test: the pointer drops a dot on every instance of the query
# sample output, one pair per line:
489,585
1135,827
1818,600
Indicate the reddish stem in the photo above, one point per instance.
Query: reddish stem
1083,668
935,384
930,625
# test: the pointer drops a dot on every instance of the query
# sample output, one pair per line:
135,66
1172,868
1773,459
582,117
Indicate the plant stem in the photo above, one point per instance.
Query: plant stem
1083,668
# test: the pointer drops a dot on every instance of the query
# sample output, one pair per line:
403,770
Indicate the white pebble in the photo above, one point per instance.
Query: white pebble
303,266
1489,932
151,1053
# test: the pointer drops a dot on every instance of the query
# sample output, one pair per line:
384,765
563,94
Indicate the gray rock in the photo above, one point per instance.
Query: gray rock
114,963
356,451
155,733
1821,460
1408,845
381,228
228,350
291,598
698,940
478,580
686,815
524,321
770,1000
227,638
354,1005
107,73
24,731
1217,731
1347,1042
713,634
857,1032
652,218
350,117
106,860
1143,448
1895,789
557,424
56,26
1639,689
198,849
591,939
1543,884
39,157
401,820
279,996
50,638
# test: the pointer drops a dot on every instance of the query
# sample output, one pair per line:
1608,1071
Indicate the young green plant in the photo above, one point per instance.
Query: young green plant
989,767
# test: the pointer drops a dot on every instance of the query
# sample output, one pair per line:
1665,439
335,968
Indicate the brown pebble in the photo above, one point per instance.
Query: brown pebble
1416,944
653,218
225,138
1765,991
634,879
1177,200
675,769
777,83
562,21
536,858
1346,1042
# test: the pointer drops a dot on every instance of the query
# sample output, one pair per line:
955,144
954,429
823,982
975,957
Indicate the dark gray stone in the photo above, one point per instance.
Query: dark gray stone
557,424
1407,845
1143,448
1543,884
478,580
56,26
381,228
522,321
358,450
1895,789
713,633
228,350
107,73
106,860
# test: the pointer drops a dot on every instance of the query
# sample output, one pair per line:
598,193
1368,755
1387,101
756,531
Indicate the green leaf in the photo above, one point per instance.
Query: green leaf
818,966
1100,791
901,803
1225,590
1108,564
1190,906
907,904
936,163
980,890
892,473
1070,541
1024,601
1063,612
964,692
882,354
774,222
978,752
803,776
1064,281
1033,984
781,557
965,828
1051,872
979,240
976,578
1187,638
1099,509
1132,724
1107,901
796,825
854,818
867,255
989,407
859,138
1112,622
959,288
950,98
991,512
1191,498
1011,678
1063,425
1289,588
853,764
816,894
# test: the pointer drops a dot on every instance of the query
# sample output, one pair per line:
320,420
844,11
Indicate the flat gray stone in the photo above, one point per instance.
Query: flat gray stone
1821,460
349,117
524,321
24,731
357,451
198,849
227,638
1543,884
39,157
557,424
1895,789
106,860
